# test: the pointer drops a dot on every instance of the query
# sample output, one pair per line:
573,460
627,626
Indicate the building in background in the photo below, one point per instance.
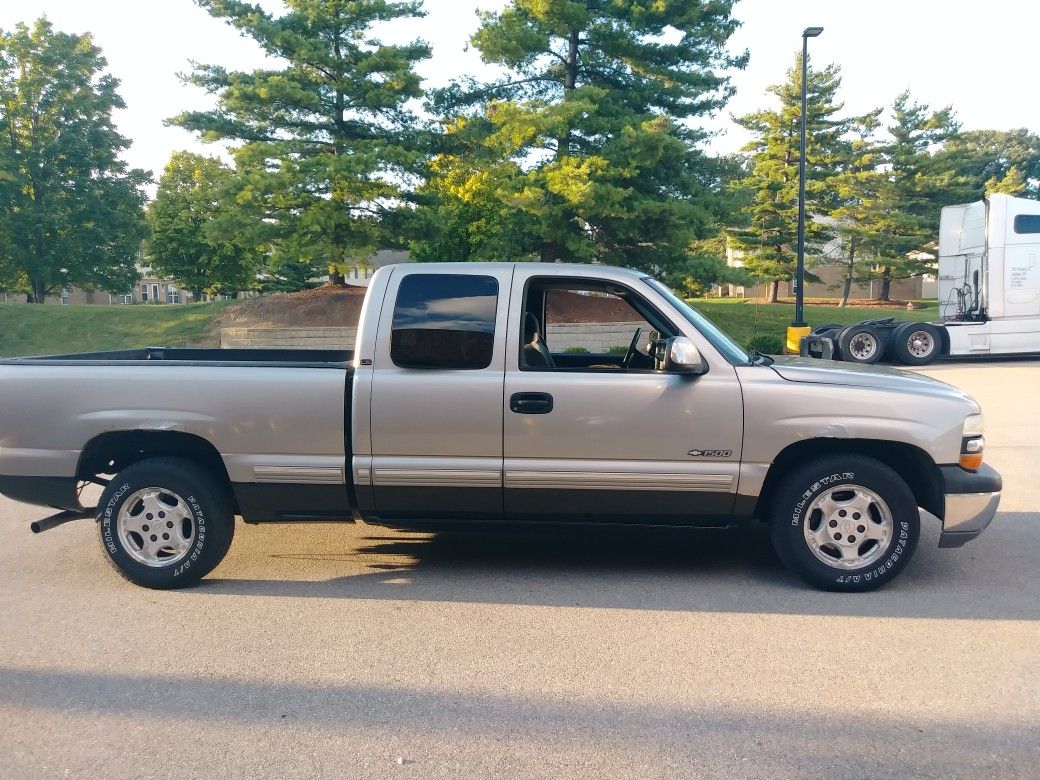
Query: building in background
832,280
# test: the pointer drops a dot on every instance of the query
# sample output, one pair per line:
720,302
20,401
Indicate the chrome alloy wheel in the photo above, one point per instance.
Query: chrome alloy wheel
156,527
863,346
920,344
848,526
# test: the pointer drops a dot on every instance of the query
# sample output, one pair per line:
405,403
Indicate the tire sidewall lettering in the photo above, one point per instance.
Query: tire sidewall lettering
107,516
897,551
806,498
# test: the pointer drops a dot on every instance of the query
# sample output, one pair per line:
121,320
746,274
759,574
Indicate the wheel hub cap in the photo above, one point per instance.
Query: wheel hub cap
848,526
155,527
919,344
863,346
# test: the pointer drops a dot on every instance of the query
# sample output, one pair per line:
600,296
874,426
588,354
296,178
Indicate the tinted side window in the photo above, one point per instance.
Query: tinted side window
1027,223
444,321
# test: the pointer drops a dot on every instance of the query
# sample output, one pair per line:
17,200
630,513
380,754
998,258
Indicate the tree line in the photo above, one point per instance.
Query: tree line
584,148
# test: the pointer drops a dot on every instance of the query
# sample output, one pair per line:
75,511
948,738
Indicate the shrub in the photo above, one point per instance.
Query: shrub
766,343
617,350
576,351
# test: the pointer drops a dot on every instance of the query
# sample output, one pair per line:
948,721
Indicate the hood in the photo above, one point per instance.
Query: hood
828,372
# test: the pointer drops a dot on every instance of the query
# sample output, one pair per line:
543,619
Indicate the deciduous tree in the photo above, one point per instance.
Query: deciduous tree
186,244
71,212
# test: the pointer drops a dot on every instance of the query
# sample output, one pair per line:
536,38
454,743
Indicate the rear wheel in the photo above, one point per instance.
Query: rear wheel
845,523
916,343
165,523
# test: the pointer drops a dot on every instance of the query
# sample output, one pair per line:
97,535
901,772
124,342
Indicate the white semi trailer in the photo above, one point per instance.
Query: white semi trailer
989,293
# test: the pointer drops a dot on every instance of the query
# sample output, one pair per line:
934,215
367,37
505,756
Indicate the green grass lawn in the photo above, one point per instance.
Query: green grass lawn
743,319
43,330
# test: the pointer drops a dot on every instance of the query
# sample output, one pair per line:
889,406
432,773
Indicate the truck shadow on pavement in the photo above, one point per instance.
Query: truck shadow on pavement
723,570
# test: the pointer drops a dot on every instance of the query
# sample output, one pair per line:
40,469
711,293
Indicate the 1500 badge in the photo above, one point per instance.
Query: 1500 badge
710,453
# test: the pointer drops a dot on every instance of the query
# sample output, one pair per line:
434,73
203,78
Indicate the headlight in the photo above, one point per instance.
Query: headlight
972,442
973,425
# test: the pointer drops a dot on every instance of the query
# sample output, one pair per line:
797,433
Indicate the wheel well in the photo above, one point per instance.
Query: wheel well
911,463
112,452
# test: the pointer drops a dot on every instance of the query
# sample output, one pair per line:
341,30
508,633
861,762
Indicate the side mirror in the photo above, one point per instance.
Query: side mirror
681,356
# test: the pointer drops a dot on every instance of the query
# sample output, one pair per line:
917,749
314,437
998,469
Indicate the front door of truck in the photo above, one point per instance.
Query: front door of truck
436,408
592,432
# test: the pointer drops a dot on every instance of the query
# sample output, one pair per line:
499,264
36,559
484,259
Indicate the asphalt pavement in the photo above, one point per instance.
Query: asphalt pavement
323,650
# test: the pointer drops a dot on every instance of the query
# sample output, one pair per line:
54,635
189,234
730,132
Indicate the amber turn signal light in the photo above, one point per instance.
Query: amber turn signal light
971,461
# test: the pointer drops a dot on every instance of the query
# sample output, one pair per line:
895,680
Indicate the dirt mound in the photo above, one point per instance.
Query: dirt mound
568,306
324,307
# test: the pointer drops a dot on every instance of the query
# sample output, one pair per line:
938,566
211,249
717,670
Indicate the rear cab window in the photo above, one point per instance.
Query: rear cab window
444,321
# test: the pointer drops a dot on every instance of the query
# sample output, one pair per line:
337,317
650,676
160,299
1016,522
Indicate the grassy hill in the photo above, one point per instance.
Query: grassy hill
41,330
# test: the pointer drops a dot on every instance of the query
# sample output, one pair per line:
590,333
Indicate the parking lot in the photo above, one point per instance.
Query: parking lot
342,651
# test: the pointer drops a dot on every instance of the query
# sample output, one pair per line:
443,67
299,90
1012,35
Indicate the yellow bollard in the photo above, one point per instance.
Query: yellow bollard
794,337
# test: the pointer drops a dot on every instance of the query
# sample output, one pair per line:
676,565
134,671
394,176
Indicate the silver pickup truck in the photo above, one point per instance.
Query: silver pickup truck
497,393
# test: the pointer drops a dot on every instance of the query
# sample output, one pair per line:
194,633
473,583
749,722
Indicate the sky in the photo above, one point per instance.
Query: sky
979,57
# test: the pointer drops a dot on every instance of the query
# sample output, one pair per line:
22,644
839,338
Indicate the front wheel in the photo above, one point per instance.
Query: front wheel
845,523
165,523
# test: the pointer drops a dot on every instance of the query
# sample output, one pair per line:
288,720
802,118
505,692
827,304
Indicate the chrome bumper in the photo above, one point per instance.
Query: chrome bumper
971,502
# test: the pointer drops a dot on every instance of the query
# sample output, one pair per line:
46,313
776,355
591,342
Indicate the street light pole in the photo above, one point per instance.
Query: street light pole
798,328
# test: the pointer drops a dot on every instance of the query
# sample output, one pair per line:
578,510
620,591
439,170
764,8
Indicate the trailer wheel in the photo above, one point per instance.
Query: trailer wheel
861,344
916,343
165,523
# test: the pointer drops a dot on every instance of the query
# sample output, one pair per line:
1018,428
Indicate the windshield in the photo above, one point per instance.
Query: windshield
723,343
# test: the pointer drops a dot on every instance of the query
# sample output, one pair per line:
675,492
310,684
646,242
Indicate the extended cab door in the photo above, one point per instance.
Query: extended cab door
436,395
592,432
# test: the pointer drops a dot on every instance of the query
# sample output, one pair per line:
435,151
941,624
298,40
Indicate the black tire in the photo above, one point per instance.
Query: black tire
201,521
823,330
916,343
862,344
796,513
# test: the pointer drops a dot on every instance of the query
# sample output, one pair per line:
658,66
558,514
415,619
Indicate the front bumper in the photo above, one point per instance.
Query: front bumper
972,498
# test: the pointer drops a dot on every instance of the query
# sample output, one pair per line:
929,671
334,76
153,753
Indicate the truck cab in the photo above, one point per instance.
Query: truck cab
524,391
989,276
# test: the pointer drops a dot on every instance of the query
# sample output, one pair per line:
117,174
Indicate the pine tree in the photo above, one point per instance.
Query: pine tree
861,188
768,240
985,156
922,183
1012,183
326,144
579,151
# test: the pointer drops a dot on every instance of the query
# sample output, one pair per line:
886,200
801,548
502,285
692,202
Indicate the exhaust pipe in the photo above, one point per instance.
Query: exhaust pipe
47,523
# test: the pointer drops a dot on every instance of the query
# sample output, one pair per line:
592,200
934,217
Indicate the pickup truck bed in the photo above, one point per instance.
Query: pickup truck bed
285,460
297,358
